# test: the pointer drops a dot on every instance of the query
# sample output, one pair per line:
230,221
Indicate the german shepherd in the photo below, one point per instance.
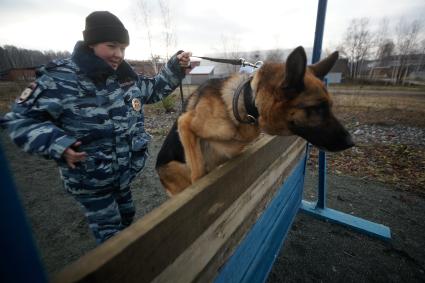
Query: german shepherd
217,124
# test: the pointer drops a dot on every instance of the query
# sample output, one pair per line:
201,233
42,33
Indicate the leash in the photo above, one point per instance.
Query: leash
240,61
181,96
252,111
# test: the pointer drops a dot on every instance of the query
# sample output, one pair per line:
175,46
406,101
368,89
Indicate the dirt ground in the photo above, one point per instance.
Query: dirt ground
315,251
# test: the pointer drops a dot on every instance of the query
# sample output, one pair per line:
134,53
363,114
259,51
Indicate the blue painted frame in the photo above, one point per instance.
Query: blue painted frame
255,255
320,211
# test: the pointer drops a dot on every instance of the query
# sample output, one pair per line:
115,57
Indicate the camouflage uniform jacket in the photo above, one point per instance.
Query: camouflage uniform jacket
84,99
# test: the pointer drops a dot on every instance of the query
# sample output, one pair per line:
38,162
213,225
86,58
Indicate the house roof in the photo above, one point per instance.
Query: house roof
341,66
5,71
202,70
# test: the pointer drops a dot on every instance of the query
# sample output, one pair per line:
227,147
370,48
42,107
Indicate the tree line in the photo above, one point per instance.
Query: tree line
388,44
15,57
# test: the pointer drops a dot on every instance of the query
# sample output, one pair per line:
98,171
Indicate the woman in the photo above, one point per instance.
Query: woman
86,113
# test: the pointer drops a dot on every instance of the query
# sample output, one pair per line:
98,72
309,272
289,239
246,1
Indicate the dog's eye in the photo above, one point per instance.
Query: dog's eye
320,109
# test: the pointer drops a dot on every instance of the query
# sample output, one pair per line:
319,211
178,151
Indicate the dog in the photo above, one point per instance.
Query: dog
223,116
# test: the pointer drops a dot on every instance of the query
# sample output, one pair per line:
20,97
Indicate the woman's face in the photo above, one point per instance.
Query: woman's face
112,52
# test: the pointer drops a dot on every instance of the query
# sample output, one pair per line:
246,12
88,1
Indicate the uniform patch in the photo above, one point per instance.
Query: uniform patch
26,93
137,105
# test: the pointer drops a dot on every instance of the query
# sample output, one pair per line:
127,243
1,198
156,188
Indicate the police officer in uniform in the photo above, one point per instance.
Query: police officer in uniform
86,113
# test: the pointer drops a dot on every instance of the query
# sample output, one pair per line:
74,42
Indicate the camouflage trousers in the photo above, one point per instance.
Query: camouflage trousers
108,213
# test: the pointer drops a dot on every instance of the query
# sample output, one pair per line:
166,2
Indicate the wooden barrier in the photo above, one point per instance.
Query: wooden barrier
192,236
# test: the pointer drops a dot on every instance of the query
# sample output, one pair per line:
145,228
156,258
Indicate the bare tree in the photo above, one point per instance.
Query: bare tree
356,45
143,15
380,37
170,38
386,49
14,57
275,55
407,43
380,44
3,59
421,65
230,50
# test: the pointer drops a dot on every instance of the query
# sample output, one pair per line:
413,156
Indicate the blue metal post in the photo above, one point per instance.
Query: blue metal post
317,51
19,260
319,209
320,28
321,195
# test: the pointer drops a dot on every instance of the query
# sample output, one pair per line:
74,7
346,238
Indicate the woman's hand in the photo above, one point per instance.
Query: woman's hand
184,59
71,156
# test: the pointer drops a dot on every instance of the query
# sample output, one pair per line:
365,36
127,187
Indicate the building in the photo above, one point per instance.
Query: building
199,75
145,67
411,67
18,74
339,72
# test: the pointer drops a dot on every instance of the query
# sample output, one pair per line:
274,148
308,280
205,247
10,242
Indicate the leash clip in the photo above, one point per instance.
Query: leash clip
244,63
251,119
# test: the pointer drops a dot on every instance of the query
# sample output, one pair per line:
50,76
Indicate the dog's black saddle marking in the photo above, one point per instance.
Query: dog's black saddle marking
172,149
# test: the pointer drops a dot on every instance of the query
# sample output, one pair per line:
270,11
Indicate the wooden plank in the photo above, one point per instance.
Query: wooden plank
210,251
142,251
254,257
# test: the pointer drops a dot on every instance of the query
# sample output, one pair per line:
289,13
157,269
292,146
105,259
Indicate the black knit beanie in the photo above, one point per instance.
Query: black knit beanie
103,26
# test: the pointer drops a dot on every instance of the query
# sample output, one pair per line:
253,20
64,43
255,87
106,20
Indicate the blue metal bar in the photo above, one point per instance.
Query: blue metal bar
355,223
321,190
19,260
321,195
320,28
317,51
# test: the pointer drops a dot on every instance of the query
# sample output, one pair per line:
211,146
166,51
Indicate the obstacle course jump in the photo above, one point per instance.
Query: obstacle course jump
227,227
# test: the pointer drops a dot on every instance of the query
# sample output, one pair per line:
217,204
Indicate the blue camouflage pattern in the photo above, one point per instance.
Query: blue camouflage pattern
84,99
109,213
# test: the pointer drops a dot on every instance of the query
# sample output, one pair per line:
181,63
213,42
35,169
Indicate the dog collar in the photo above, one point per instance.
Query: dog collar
251,111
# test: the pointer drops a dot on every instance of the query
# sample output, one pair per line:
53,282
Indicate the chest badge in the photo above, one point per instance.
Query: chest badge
137,105
26,94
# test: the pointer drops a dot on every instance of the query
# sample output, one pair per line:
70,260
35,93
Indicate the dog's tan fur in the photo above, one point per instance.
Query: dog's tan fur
210,134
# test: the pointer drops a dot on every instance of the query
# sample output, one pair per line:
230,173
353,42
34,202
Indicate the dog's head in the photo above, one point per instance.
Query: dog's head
292,99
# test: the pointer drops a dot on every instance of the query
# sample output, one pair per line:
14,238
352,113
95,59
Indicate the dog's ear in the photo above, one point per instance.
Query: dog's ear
321,68
295,69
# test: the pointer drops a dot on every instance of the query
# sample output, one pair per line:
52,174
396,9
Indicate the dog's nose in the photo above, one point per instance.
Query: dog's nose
344,143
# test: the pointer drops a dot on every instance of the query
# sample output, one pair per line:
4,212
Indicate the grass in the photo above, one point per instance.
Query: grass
377,87
401,102
9,91
400,165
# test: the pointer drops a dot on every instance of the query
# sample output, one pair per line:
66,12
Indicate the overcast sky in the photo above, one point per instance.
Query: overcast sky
202,27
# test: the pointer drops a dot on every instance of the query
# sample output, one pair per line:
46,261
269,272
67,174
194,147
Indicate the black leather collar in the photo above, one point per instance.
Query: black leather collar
249,101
